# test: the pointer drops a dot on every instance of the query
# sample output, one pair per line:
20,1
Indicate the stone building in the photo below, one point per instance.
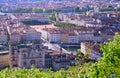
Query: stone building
32,55
26,55
57,60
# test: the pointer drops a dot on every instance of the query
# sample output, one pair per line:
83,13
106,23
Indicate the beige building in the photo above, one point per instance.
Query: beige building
64,38
28,57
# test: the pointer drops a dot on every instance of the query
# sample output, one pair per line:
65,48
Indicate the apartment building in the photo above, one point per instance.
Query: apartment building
57,35
30,34
32,16
73,38
58,60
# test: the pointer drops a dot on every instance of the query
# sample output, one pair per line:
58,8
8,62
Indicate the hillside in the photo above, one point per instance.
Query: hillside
107,67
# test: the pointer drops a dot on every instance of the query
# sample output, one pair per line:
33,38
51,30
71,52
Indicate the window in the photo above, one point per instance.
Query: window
24,55
24,63
73,40
32,62
12,53
37,47
13,59
40,55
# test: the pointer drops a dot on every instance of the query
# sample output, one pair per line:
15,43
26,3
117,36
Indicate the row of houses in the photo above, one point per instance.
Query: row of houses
26,49
28,34
57,35
19,31
32,16
75,36
90,19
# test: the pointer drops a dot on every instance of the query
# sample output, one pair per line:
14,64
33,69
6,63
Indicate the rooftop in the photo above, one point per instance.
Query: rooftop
4,52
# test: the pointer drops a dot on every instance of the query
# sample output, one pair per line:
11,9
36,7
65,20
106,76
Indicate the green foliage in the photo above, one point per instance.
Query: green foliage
21,10
109,9
33,22
118,9
107,67
110,63
49,10
52,17
0,9
61,24
77,9
27,10
80,57
37,10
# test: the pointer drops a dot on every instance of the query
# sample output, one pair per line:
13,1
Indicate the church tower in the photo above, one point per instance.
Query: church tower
13,50
13,54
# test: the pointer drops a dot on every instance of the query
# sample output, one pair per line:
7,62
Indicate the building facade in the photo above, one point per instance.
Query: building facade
91,49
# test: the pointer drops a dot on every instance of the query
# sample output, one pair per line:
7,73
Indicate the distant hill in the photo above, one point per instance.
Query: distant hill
47,0
16,0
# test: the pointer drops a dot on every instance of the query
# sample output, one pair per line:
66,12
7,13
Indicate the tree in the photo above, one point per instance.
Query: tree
80,57
118,9
110,62
77,9
52,17
107,9
62,24
0,9
37,10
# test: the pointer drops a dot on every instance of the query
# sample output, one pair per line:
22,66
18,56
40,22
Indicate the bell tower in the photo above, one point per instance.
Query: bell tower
13,50
13,54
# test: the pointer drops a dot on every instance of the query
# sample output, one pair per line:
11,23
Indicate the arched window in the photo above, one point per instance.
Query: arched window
24,55
24,63
40,55
32,62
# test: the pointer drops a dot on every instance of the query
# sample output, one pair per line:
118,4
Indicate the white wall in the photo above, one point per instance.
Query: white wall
54,37
73,39
32,36
86,36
